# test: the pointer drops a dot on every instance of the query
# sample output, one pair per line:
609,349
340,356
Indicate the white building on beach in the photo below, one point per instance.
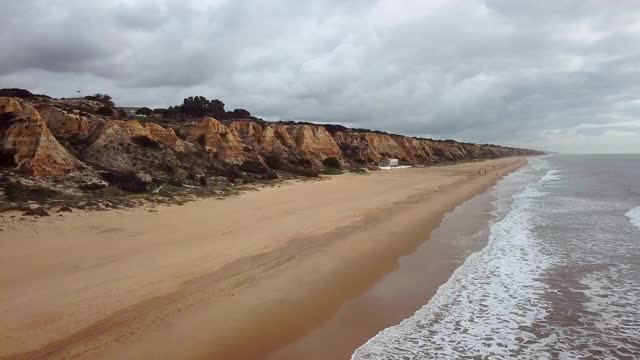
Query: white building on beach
389,163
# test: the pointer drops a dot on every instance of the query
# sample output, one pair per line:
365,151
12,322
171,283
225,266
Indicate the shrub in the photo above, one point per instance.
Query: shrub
216,107
302,162
241,113
103,98
144,111
254,167
203,180
331,171
271,175
90,187
18,93
331,162
105,111
202,140
145,141
39,211
274,162
305,171
232,173
127,181
6,120
18,192
7,158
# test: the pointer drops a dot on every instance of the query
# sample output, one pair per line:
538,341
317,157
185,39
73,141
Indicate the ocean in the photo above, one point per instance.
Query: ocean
558,279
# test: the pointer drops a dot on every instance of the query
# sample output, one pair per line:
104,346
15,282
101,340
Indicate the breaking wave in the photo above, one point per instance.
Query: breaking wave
634,216
491,302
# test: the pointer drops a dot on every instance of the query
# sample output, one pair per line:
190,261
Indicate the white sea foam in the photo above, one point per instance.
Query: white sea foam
489,303
616,326
557,279
551,175
539,163
634,216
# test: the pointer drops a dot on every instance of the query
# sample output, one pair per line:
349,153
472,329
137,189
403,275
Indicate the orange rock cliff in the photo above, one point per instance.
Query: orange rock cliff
48,138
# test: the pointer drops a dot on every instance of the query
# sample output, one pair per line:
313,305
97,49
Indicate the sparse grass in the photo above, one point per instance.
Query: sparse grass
18,192
359,171
331,171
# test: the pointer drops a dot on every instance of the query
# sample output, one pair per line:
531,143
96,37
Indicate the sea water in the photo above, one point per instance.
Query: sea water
558,279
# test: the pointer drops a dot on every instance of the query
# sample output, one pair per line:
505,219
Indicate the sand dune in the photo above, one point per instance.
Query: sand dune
225,278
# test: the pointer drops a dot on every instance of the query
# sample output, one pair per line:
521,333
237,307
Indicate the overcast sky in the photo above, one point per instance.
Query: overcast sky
554,75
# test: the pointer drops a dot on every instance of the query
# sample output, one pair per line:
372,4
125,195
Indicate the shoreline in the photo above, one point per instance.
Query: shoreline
214,279
400,293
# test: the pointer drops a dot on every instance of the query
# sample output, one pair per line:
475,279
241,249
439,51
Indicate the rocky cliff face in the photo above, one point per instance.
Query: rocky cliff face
45,139
28,145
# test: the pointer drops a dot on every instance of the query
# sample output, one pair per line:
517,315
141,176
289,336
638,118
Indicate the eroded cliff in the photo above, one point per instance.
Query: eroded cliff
48,138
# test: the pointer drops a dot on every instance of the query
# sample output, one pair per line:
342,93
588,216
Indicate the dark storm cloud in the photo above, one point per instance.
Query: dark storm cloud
544,74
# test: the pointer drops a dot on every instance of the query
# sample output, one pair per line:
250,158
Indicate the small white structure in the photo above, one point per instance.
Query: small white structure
389,163
130,110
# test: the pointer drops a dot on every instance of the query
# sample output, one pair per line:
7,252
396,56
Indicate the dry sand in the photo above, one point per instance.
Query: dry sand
234,278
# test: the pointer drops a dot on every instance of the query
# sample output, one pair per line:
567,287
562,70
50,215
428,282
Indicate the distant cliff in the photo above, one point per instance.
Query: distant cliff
44,138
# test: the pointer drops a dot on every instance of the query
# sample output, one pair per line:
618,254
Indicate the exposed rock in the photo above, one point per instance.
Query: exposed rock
275,140
250,133
50,137
370,148
166,137
126,146
10,105
417,151
225,143
35,150
315,143
62,123
64,209
111,147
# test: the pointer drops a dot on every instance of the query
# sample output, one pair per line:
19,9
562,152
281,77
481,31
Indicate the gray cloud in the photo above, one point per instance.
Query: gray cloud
552,75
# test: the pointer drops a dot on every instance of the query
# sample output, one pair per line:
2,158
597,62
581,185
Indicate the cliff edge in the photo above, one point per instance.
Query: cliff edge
72,142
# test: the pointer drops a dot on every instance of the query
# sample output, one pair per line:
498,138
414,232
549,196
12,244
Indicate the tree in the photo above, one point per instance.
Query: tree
240,113
216,107
144,111
195,105
174,110
161,111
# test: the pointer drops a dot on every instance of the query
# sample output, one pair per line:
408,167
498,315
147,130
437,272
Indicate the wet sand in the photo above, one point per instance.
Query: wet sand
234,278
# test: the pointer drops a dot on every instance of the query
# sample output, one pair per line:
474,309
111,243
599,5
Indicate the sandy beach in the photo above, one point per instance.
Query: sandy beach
414,280
235,278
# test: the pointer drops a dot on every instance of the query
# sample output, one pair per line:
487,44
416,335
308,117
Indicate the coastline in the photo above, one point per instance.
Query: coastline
401,292
217,278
